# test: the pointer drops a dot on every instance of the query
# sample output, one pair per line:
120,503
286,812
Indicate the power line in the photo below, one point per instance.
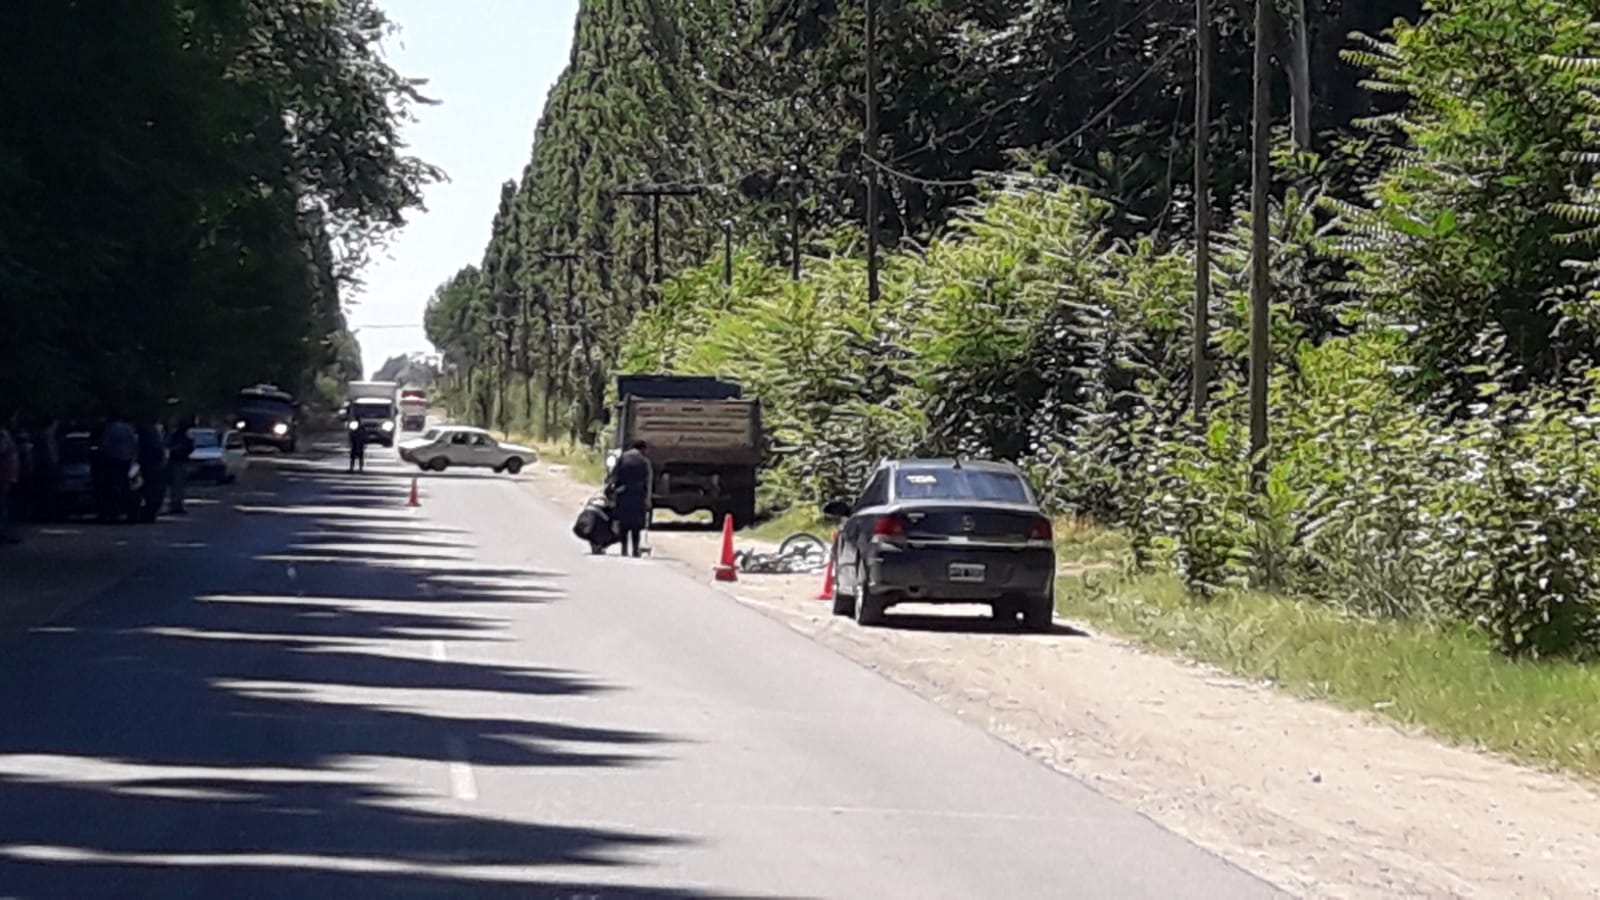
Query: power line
927,182
1111,107
988,115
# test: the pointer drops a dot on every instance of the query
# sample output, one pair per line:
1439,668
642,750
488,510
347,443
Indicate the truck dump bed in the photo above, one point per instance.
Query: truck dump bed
697,431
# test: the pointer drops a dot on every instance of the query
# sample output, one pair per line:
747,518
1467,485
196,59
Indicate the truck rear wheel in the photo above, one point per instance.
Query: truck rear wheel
744,509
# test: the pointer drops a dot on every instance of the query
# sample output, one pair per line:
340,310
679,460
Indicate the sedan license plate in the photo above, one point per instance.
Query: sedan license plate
968,573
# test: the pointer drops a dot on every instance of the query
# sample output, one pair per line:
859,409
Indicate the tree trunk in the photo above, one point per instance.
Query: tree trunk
1200,376
1260,244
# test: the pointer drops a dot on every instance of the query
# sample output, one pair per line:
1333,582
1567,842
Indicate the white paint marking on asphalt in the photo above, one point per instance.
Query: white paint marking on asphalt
462,783
436,650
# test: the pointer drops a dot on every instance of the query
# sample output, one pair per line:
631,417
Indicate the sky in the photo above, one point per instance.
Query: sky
490,64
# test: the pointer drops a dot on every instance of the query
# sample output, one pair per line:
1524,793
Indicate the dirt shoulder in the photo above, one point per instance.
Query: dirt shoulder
1320,801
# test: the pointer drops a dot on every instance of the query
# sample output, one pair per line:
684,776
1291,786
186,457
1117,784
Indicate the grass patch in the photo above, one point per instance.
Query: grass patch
791,520
586,464
1449,682
1084,543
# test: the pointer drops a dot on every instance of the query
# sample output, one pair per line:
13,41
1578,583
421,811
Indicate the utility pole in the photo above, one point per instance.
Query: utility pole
503,326
1260,247
655,194
566,259
870,151
527,358
794,225
1200,375
727,253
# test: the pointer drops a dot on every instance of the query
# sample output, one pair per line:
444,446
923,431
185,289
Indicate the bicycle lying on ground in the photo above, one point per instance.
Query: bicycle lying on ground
799,553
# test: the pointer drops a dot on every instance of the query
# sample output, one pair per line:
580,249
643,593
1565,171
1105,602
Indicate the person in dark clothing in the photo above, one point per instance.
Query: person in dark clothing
47,466
629,486
118,443
358,447
179,448
153,468
595,525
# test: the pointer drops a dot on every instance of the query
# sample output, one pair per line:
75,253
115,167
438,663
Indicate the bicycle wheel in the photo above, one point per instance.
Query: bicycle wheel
804,546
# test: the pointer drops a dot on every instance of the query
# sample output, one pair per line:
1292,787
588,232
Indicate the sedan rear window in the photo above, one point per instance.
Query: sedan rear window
76,450
960,484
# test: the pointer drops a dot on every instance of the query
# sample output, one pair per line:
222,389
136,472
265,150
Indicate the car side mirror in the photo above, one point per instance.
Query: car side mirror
837,509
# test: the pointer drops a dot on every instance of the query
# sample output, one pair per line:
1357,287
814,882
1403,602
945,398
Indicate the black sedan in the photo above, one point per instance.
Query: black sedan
945,531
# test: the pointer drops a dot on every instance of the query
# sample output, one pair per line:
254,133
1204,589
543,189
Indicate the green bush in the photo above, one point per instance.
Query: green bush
1027,333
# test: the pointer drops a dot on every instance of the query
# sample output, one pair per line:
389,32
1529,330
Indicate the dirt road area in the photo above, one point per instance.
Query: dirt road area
1321,801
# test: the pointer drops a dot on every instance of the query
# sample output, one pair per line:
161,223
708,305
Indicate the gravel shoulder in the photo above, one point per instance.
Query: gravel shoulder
1321,801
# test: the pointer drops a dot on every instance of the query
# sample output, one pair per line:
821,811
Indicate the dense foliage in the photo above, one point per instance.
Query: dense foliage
184,188
759,104
1433,400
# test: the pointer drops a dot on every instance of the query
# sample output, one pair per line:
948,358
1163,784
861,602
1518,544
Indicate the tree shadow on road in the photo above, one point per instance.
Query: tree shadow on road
211,727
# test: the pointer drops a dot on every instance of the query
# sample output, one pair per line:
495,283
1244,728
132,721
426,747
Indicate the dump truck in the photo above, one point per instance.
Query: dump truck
703,437
413,409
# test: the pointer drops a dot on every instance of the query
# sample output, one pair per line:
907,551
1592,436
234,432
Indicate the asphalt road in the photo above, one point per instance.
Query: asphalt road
332,695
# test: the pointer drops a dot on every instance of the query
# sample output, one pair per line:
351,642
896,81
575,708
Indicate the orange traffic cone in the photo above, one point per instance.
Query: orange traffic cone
827,573
726,570
415,500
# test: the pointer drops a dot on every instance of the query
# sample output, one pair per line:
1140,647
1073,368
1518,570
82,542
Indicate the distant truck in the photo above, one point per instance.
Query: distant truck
704,438
265,415
370,407
413,409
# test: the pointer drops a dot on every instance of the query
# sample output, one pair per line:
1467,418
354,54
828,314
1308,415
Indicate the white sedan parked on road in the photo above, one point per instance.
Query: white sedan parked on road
458,445
218,456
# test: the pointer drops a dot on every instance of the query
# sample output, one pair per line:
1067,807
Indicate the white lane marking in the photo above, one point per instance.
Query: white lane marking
462,783
436,650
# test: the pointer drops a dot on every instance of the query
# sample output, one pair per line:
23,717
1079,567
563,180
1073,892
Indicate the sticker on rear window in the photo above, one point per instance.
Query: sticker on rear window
921,479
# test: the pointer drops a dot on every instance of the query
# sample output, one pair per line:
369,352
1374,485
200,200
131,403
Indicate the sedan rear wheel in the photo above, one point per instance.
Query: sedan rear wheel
1005,611
843,604
869,606
1039,614
438,464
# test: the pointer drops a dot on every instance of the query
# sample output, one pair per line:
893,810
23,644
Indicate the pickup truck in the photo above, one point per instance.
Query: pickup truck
704,439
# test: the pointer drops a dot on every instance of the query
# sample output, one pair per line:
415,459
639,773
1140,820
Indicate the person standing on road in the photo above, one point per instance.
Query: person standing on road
629,484
119,448
179,448
10,474
358,447
153,466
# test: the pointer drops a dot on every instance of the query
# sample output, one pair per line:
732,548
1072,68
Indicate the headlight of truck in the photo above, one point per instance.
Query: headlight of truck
280,429
241,425
388,426
353,425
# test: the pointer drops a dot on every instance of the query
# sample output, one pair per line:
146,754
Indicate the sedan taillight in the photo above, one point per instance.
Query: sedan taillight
1041,531
890,527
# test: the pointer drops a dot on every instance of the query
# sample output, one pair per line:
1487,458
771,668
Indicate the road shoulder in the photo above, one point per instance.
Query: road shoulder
1321,801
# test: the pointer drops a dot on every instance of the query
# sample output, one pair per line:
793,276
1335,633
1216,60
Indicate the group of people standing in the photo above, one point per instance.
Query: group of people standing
31,465
163,458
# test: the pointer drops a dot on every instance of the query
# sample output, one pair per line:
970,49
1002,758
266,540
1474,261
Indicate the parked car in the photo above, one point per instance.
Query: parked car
71,492
944,531
217,456
460,445
72,489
